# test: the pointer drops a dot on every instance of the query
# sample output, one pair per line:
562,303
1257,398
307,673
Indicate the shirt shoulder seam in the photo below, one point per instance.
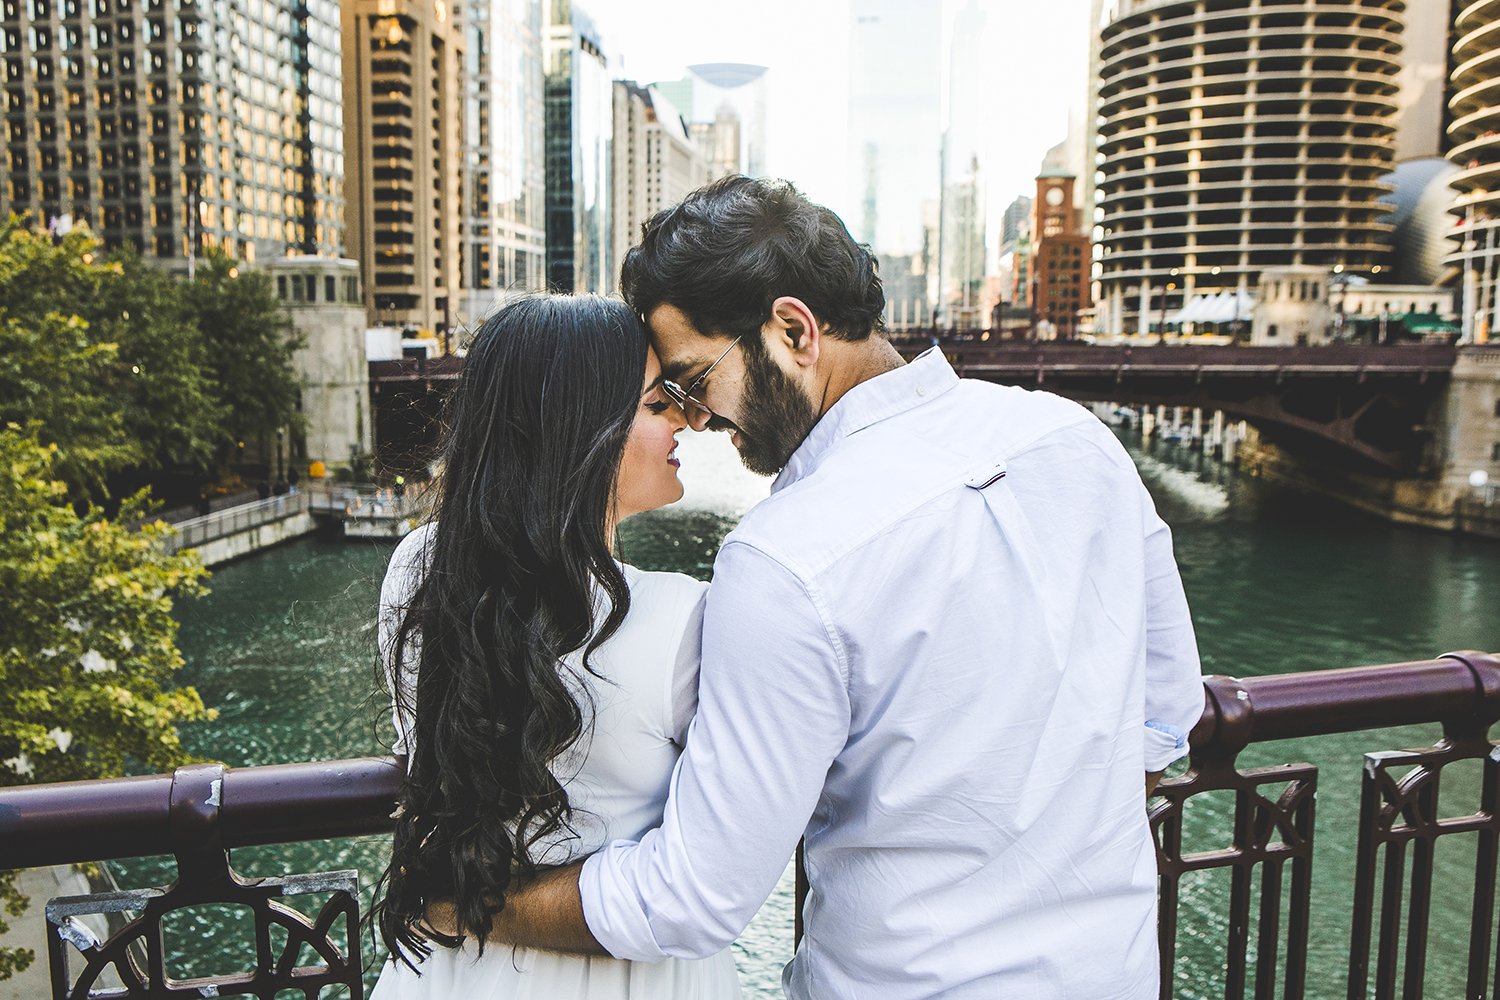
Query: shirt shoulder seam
815,599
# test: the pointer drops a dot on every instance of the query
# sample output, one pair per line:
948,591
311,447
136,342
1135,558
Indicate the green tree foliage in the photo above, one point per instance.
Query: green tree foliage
249,345
89,646
130,368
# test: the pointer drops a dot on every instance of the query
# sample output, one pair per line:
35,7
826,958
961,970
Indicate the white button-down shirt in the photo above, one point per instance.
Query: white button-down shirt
945,650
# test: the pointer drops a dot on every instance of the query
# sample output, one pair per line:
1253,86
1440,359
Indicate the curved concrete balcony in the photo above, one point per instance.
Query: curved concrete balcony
1378,144
1484,177
1481,66
1380,104
1238,129
1240,60
1380,84
1187,237
1245,46
1476,15
1347,204
1373,187
1374,167
1471,97
1484,146
1142,25
1486,119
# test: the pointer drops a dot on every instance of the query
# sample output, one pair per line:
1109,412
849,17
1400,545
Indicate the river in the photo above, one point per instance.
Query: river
1278,582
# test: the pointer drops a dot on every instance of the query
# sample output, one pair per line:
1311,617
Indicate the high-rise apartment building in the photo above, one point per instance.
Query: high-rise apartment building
720,142
1473,136
579,126
725,92
505,172
1060,257
177,126
656,162
402,116
1237,138
895,121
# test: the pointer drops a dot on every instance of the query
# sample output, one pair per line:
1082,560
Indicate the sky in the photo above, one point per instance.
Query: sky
1036,69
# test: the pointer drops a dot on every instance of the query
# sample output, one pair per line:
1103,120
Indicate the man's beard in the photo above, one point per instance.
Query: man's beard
775,416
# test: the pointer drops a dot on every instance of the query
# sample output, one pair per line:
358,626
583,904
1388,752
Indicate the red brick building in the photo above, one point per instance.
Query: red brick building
1061,258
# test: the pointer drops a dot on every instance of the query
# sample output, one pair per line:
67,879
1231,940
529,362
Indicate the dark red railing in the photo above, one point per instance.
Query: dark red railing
200,812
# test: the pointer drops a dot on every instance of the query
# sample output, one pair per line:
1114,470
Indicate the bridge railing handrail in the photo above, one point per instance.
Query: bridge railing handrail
66,822
222,523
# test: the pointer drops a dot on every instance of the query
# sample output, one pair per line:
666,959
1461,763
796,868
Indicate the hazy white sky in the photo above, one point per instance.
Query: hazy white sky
1037,65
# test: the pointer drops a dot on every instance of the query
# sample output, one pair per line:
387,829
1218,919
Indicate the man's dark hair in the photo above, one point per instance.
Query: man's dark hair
732,248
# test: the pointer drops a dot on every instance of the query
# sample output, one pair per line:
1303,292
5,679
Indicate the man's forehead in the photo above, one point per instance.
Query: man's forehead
679,344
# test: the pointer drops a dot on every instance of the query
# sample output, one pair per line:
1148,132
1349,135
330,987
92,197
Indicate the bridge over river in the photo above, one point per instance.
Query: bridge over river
1394,429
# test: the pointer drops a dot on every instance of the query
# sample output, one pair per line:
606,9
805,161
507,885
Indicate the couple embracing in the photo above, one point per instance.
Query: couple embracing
951,651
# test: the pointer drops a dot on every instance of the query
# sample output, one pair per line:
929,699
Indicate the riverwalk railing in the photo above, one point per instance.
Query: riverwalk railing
201,812
199,531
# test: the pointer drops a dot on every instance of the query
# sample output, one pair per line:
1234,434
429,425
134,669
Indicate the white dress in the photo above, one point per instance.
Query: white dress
617,782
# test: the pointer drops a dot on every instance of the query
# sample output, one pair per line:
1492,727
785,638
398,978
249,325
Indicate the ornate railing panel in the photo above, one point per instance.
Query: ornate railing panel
201,812
1273,836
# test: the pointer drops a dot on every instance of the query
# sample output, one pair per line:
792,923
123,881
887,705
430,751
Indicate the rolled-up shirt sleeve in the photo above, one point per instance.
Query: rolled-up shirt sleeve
773,712
1174,675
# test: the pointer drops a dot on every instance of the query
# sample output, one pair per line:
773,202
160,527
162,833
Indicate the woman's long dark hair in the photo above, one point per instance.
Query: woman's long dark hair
515,568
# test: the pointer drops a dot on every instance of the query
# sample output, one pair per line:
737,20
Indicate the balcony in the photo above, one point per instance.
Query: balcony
1266,844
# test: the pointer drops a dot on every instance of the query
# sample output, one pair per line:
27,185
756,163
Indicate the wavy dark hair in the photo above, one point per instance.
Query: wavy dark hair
732,247
515,570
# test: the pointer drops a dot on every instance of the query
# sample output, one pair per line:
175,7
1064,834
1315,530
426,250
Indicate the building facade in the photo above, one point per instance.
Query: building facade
725,93
327,307
177,127
1061,258
1473,135
505,172
964,245
402,108
1238,137
895,121
579,132
656,162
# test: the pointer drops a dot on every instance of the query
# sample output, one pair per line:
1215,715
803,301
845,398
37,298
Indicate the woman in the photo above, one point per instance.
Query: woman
544,689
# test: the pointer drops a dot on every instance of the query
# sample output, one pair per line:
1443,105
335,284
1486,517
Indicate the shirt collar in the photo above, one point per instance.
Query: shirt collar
926,378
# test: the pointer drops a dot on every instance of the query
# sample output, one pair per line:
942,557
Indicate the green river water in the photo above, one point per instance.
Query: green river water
284,648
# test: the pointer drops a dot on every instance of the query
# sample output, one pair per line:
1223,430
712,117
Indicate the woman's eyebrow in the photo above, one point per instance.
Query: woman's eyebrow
654,383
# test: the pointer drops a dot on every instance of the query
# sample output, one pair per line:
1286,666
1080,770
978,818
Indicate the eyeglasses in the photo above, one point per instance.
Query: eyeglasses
682,397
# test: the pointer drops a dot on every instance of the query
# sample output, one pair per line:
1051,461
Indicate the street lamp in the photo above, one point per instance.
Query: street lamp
1340,284
1161,328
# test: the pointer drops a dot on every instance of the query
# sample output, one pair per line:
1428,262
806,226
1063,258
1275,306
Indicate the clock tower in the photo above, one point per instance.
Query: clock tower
1061,260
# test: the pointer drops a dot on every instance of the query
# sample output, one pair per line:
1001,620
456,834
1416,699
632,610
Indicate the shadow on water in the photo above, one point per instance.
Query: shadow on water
1278,582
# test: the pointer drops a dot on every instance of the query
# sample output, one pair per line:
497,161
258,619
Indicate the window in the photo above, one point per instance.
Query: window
328,289
1271,330
1495,452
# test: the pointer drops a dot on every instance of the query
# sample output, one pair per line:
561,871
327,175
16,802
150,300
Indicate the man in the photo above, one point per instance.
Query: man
947,650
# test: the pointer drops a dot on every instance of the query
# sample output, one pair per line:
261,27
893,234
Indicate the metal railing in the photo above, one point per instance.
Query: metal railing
200,812
198,531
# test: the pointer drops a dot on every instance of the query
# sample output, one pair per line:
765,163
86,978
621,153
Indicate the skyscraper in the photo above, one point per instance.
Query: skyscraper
962,262
724,93
895,120
1474,148
402,112
505,172
177,126
579,124
1239,138
656,162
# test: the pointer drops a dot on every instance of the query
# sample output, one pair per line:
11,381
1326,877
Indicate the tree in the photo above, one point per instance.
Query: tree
90,642
53,368
249,344
132,370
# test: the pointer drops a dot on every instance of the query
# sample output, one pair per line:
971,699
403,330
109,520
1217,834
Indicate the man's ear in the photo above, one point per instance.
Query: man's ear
795,328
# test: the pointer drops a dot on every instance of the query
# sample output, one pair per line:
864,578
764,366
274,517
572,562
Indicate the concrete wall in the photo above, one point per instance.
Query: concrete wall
223,550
